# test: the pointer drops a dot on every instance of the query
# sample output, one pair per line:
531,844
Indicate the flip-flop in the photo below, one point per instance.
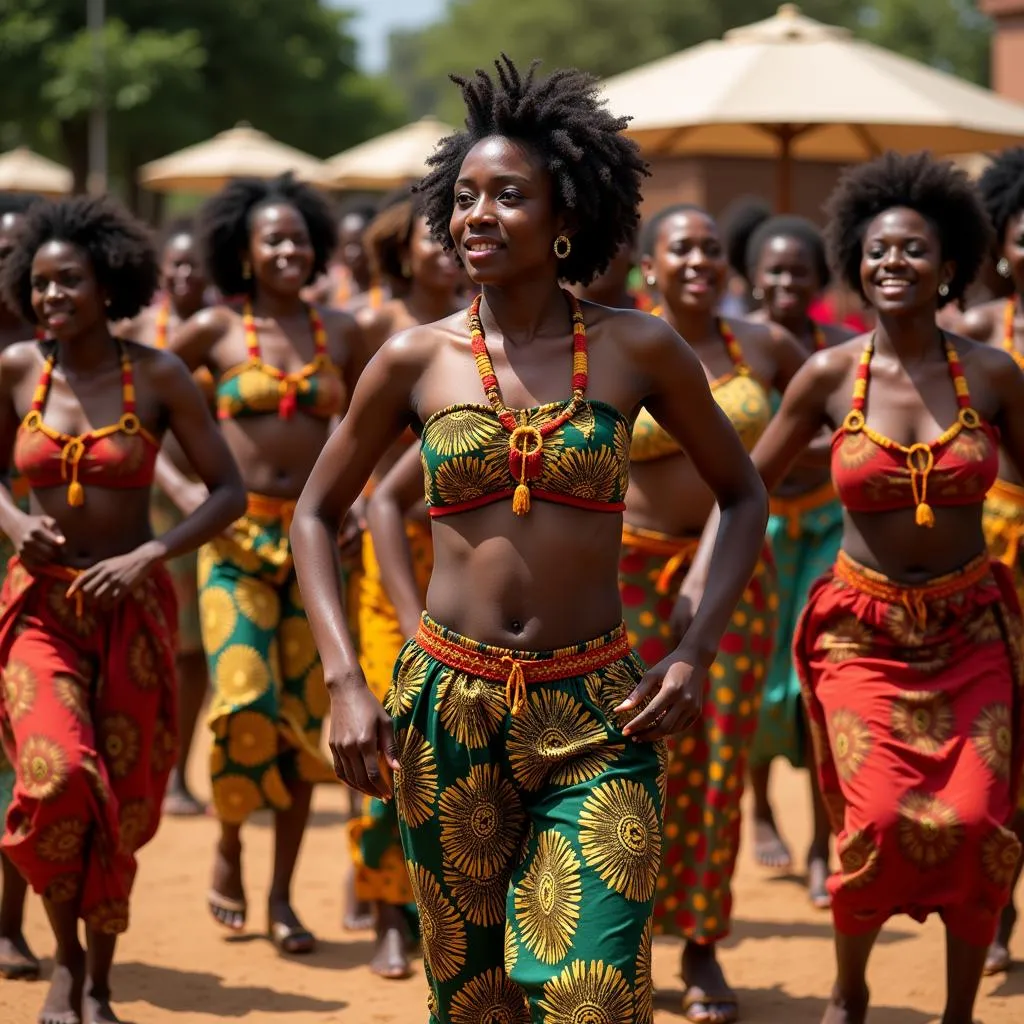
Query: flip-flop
726,1004
292,941
217,901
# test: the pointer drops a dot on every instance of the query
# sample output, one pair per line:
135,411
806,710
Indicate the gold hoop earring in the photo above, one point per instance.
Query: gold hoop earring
562,247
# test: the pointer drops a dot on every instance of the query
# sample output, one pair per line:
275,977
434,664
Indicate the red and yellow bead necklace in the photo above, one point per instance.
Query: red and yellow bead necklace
526,442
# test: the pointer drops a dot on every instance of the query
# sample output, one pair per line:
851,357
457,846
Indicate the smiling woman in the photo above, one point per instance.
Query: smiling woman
87,613
524,733
284,371
909,649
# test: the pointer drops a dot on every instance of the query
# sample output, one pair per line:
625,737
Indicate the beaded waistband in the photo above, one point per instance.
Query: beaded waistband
262,506
914,597
518,669
793,507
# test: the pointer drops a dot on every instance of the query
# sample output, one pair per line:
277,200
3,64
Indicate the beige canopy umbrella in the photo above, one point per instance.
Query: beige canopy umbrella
389,161
240,152
21,170
791,87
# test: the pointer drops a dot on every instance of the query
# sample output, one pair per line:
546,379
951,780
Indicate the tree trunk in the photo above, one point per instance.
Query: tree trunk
75,140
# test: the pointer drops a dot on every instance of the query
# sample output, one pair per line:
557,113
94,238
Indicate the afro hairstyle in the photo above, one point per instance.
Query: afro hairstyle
225,221
739,220
799,229
1002,189
936,189
595,170
119,247
173,229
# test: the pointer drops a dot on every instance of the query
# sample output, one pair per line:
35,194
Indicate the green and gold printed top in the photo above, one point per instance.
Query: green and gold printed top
465,456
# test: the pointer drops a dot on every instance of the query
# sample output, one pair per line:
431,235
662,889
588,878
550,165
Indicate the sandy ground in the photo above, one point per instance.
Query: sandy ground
174,966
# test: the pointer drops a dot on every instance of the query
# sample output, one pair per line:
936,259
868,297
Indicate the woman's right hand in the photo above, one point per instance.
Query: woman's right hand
361,737
37,540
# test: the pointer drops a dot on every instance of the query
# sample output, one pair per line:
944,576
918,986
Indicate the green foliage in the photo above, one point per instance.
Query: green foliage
177,71
609,36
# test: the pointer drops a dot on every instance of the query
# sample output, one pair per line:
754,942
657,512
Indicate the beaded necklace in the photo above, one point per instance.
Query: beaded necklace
288,384
920,457
732,346
73,445
1009,335
163,320
820,341
526,442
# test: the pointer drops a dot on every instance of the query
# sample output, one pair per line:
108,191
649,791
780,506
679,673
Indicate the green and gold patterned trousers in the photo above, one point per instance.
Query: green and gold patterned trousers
269,697
531,827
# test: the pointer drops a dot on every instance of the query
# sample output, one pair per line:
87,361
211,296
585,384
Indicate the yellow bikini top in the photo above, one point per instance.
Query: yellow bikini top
739,394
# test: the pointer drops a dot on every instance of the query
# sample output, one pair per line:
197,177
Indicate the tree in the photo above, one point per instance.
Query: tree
175,73
609,36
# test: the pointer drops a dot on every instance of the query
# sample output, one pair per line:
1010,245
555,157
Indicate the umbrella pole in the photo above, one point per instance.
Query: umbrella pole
784,183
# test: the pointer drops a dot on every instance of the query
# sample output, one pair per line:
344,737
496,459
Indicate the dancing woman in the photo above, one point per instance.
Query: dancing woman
909,649
527,774
283,370
405,255
1000,323
16,958
784,258
182,294
666,508
87,616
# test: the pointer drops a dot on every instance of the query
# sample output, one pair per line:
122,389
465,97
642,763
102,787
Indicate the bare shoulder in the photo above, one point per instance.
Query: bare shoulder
979,356
19,359
979,323
160,367
830,368
640,336
413,349
210,323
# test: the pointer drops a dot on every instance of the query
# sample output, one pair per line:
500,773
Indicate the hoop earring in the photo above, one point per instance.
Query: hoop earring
758,294
1003,267
566,247
943,289
246,270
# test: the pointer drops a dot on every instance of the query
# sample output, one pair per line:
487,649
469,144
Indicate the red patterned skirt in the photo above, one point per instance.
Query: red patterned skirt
915,704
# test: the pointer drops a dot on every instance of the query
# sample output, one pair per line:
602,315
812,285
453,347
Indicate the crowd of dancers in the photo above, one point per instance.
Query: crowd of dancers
440,480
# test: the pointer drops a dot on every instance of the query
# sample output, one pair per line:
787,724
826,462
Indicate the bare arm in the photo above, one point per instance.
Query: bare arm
394,496
194,339
681,401
1008,382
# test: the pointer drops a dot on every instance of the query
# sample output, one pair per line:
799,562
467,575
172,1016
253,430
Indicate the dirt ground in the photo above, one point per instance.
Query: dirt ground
174,966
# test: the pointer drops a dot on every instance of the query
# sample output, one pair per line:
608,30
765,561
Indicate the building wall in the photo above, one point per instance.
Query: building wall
1007,46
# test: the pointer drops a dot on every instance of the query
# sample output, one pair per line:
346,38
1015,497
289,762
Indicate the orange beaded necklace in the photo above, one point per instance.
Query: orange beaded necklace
163,320
526,442
920,457
1009,335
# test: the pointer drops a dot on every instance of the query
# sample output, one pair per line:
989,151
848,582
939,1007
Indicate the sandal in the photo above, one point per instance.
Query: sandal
291,941
227,912
700,1007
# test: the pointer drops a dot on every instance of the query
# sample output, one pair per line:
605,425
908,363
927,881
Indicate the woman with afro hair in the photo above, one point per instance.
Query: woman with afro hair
666,508
784,259
1000,323
909,649
284,371
524,734
87,612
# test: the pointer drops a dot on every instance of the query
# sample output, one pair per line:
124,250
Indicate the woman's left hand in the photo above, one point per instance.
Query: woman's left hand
677,683
107,583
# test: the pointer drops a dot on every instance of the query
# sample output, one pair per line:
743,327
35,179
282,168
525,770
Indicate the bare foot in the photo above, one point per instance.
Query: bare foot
999,959
357,915
286,931
841,1010
64,999
817,876
179,802
769,849
226,898
709,998
96,1009
391,960
17,961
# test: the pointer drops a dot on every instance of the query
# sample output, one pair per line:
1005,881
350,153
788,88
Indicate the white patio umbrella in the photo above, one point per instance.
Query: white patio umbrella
793,88
22,170
241,151
390,160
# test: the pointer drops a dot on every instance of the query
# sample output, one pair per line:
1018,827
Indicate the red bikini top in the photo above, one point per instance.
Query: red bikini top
119,456
873,473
